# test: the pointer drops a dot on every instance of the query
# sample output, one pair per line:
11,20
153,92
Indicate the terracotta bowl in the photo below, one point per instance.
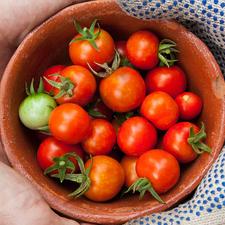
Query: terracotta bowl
47,45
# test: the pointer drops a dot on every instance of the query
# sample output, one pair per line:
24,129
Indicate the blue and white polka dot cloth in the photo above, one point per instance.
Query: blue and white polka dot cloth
205,18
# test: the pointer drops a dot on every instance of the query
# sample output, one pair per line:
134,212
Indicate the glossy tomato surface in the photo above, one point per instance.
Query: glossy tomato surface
84,85
142,49
107,178
161,109
123,90
190,105
171,80
69,123
160,167
136,135
175,142
51,148
82,52
101,138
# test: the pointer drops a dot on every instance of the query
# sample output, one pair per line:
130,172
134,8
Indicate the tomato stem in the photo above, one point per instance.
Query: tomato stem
195,140
142,185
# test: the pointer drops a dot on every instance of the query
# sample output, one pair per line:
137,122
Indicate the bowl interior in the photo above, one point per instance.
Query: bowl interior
48,45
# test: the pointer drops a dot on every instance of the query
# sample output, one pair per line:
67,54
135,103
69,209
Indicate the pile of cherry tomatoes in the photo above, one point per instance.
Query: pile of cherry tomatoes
119,116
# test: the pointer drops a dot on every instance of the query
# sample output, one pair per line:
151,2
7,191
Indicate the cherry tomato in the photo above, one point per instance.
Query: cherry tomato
171,80
121,48
101,138
83,85
175,142
69,123
160,168
123,90
136,135
107,178
51,148
82,52
160,109
190,105
48,74
142,49
129,165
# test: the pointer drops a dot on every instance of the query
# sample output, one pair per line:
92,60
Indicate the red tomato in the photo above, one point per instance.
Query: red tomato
160,168
160,109
84,86
123,90
190,105
51,148
107,178
129,165
136,135
171,80
142,49
101,138
83,53
175,142
69,123
121,48
48,75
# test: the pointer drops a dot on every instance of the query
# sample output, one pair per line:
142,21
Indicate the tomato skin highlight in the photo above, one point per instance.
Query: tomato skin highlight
83,53
136,135
171,80
69,123
51,148
190,105
160,167
107,178
142,49
129,165
161,109
84,85
101,138
123,90
175,142
48,74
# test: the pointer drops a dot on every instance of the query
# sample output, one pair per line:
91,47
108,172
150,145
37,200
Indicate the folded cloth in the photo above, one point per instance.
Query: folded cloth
206,19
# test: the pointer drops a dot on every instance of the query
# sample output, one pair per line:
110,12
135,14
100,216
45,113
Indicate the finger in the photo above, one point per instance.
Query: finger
68,222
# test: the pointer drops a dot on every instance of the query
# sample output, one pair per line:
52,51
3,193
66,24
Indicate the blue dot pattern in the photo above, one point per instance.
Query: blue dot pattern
207,207
205,18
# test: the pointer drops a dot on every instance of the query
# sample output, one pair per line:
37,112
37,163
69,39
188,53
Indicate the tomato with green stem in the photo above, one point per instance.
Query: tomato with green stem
49,74
35,109
184,141
171,80
69,123
190,105
52,159
144,50
75,84
91,46
158,172
161,109
100,139
136,135
101,178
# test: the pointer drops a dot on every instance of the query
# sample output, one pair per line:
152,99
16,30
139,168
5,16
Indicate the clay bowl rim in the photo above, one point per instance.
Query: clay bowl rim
58,205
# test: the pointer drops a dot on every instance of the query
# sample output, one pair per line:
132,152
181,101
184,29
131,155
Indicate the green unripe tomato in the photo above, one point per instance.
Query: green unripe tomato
35,109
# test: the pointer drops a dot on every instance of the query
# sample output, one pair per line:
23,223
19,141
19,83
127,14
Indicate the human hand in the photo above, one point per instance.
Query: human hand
22,203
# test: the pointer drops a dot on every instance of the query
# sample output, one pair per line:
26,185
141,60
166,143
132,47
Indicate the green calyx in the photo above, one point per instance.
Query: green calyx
122,117
61,165
65,86
195,140
167,52
31,90
81,178
107,69
87,34
143,185
93,111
